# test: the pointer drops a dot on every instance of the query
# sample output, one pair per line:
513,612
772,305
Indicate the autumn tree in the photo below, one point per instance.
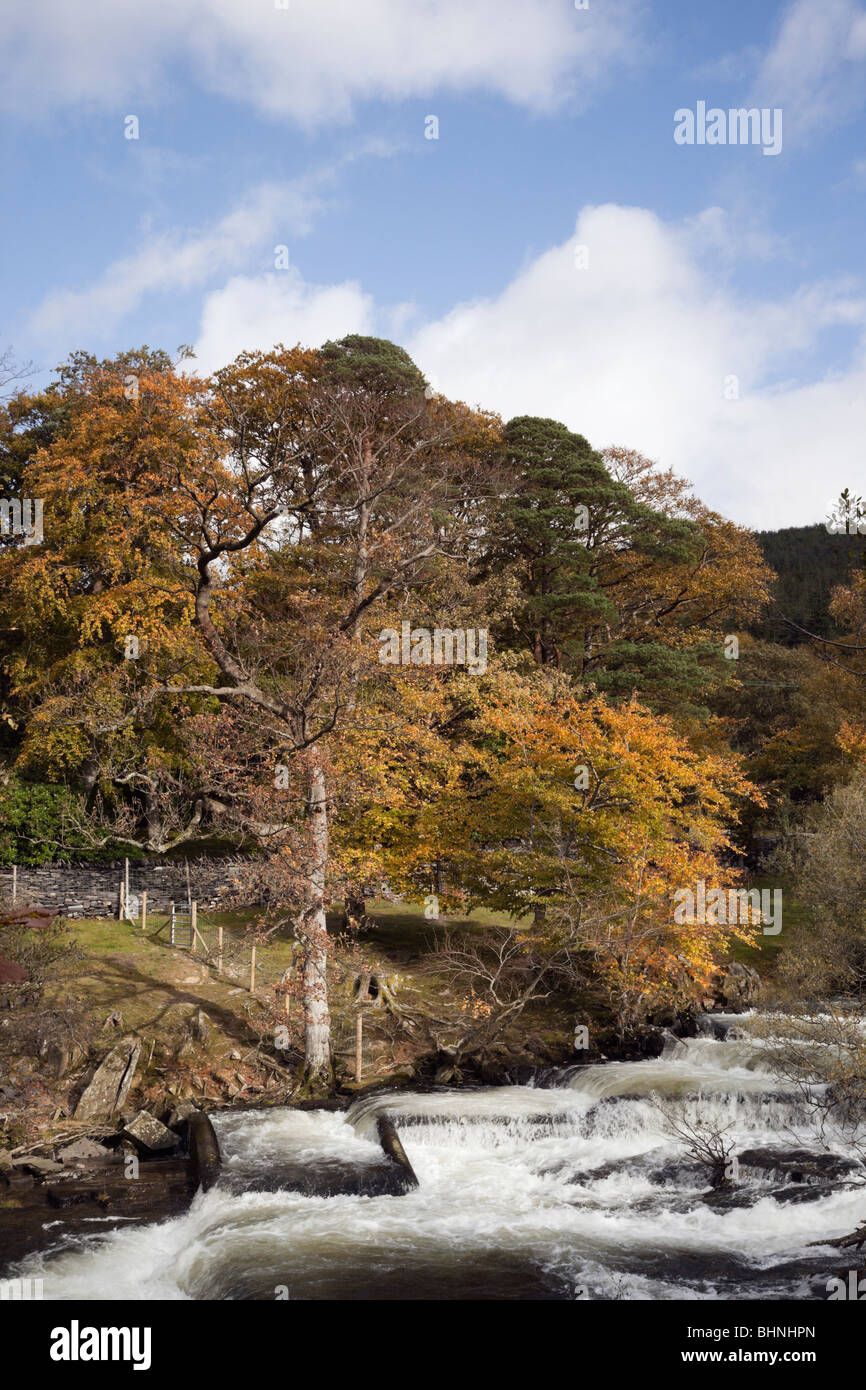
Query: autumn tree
194,648
590,814
621,575
104,601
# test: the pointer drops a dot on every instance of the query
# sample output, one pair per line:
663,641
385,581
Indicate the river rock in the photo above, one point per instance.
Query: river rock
40,1167
179,1114
109,1086
148,1134
736,988
795,1165
82,1151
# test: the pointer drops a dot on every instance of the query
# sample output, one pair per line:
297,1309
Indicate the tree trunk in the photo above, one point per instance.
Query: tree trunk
318,1071
354,911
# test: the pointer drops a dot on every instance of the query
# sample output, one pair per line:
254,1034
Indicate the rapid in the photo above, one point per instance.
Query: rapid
570,1188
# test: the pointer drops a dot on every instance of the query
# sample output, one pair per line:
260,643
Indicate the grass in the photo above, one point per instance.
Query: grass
152,984
397,935
139,974
764,955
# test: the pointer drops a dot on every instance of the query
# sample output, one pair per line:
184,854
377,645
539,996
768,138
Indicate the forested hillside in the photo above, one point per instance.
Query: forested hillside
310,606
809,563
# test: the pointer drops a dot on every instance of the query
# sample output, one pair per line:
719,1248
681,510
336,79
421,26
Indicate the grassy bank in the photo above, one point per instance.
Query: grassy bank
210,1034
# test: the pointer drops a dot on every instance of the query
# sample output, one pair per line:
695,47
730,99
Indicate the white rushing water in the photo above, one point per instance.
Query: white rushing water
570,1191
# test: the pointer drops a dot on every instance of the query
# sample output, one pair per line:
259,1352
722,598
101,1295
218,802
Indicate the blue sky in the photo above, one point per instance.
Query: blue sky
718,324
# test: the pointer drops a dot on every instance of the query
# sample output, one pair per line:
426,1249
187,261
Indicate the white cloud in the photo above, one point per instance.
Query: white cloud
814,69
281,307
182,263
637,349
314,60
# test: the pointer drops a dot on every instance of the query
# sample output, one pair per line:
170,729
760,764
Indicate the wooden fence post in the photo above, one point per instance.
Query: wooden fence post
144,909
193,924
219,950
121,906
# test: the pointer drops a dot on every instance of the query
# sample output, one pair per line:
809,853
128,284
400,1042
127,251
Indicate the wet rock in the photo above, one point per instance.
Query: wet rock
82,1151
736,987
653,1041
793,1165
393,1148
327,1177
204,1151
741,1195
109,1086
39,1167
179,1114
710,1027
149,1135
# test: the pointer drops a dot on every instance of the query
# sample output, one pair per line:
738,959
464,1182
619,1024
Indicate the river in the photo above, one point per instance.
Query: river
566,1190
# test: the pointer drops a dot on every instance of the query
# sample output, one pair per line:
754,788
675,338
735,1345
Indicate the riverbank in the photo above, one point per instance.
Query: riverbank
208,1037
571,1189
184,1035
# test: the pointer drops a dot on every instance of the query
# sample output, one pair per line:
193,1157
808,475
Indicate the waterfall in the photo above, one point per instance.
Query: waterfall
567,1190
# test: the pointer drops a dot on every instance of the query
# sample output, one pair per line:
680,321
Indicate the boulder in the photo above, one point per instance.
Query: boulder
82,1151
178,1115
149,1135
200,1026
736,987
796,1165
40,1167
109,1086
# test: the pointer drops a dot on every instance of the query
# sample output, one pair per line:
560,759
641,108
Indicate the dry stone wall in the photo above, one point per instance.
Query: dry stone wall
93,890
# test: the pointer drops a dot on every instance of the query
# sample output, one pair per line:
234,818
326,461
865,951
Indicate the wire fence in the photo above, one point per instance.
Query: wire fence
228,948
267,970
